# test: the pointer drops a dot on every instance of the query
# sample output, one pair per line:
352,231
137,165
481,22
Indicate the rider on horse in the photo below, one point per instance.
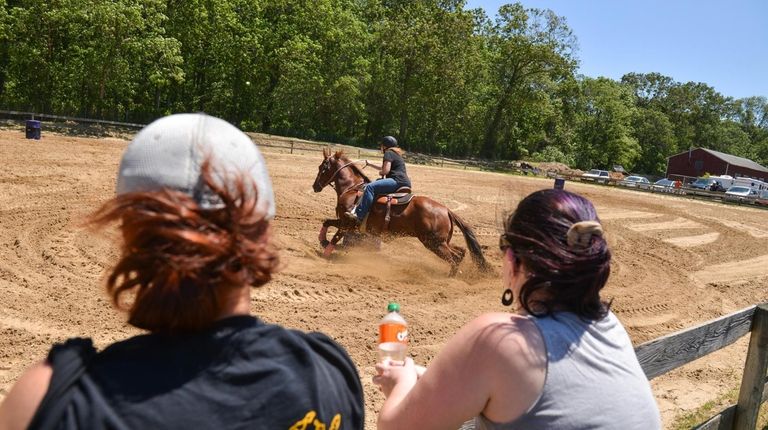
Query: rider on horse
393,175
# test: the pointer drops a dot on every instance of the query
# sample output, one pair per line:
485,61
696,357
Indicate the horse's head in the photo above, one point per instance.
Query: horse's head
325,171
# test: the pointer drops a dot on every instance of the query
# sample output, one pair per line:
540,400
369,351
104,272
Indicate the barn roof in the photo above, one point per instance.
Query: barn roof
732,160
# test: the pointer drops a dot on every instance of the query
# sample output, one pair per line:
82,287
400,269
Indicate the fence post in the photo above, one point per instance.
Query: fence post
291,147
753,380
358,154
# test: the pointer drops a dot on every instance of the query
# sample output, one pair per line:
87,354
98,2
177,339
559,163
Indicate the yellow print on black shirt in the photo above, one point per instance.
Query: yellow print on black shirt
309,420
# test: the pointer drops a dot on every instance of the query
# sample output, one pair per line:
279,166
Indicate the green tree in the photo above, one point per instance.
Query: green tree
91,58
314,67
653,132
529,48
223,55
4,45
651,89
605,127
752,117
696,111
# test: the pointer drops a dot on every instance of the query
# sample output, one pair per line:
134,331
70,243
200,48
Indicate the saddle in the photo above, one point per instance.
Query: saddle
401,196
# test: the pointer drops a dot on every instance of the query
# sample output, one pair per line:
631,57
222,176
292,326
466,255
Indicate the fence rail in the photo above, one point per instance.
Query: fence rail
664,354
32,115
661,355
294,145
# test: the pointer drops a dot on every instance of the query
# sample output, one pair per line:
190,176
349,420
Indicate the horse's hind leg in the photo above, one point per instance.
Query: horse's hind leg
445,251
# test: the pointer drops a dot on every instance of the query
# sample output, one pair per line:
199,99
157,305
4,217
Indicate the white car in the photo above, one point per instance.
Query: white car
739,193
762,198
636,182
664,185
597,176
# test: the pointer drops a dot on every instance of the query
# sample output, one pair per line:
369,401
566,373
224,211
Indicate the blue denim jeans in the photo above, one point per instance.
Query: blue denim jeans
382,186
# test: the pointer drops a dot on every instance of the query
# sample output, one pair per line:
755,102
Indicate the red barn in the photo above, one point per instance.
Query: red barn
697,162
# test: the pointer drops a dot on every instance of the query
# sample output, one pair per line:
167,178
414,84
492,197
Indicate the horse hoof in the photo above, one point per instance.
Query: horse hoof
324,243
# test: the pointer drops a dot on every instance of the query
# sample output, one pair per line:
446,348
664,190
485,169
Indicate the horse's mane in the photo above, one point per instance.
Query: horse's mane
339,155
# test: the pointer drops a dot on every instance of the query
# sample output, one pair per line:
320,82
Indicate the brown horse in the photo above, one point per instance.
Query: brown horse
429,221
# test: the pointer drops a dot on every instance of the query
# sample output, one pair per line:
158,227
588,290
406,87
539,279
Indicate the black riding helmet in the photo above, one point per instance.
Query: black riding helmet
389,141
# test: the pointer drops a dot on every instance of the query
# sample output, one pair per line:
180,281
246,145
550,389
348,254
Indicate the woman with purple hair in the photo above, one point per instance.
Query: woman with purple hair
561,360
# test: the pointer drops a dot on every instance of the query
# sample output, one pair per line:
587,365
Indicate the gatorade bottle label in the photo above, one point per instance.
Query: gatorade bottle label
393,333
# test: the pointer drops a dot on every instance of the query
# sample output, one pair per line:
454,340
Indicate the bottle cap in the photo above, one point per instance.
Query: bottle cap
393,307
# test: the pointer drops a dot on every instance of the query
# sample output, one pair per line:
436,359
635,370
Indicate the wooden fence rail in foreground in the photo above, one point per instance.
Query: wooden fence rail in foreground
666,353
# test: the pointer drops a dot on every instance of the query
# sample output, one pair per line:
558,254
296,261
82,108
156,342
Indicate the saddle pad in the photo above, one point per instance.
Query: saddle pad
397,199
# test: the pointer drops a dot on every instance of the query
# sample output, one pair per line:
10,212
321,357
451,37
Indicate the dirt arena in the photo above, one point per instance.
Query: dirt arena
677,262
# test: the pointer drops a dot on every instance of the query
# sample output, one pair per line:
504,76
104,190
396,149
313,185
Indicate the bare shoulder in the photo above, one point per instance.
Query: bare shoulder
503,333
508,325
515,356
22,401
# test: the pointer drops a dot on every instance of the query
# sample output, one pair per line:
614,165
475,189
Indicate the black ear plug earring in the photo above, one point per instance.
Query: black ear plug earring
506,297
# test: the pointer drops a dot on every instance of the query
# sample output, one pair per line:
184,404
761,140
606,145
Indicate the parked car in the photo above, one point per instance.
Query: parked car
712,183
597,176
739,193
762,198
664,185
636,182
717,186
702,183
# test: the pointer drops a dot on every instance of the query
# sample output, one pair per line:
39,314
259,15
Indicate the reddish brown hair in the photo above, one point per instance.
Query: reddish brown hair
182,261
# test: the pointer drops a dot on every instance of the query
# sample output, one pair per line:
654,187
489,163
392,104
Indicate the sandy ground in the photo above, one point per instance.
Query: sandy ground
676,263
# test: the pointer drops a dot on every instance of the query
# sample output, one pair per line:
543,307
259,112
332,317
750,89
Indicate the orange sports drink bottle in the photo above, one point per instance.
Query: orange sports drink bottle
393,335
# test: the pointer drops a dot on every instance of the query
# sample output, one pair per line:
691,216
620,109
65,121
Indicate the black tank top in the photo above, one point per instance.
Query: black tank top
240,373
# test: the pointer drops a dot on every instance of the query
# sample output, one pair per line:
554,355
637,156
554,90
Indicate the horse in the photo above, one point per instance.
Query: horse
427,220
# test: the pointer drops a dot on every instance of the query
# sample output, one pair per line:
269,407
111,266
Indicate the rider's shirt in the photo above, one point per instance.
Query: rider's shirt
397,169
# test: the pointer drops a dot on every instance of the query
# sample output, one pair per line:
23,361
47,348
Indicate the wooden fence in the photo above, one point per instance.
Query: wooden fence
661,355
295,145
31,115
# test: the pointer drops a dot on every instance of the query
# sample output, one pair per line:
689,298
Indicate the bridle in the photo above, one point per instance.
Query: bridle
333,178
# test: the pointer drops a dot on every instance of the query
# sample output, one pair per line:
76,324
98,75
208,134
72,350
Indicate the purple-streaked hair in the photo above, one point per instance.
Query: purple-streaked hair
562,277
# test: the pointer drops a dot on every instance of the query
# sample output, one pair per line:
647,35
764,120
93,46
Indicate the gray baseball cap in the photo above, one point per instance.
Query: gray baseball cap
169,153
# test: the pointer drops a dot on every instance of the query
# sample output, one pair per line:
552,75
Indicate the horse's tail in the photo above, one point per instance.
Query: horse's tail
472,243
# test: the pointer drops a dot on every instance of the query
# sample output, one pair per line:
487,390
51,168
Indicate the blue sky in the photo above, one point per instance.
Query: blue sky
721,43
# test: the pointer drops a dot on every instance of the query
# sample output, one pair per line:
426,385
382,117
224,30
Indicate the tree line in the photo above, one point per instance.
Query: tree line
443,79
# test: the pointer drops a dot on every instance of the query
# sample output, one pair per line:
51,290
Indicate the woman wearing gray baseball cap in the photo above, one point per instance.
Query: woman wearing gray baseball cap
194,204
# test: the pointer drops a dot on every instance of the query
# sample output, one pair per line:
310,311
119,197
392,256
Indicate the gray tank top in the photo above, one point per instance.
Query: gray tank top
593,380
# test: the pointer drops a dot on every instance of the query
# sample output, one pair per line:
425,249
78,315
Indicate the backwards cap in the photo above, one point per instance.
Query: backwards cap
169,153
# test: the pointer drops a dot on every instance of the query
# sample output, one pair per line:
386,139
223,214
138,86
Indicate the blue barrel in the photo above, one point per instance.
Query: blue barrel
33,129
559,183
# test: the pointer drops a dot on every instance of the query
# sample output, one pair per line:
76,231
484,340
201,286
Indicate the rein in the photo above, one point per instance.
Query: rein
352,188
333,178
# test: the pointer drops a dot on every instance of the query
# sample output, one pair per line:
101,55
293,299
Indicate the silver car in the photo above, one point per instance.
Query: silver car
636,182
664,185
739,193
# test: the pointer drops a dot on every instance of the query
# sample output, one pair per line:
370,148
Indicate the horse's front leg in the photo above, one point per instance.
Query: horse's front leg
323,235
332,245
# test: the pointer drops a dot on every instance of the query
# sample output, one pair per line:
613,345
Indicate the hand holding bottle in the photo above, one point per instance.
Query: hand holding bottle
390,373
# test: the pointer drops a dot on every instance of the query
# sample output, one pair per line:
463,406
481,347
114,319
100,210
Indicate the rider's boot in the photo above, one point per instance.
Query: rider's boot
351,216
